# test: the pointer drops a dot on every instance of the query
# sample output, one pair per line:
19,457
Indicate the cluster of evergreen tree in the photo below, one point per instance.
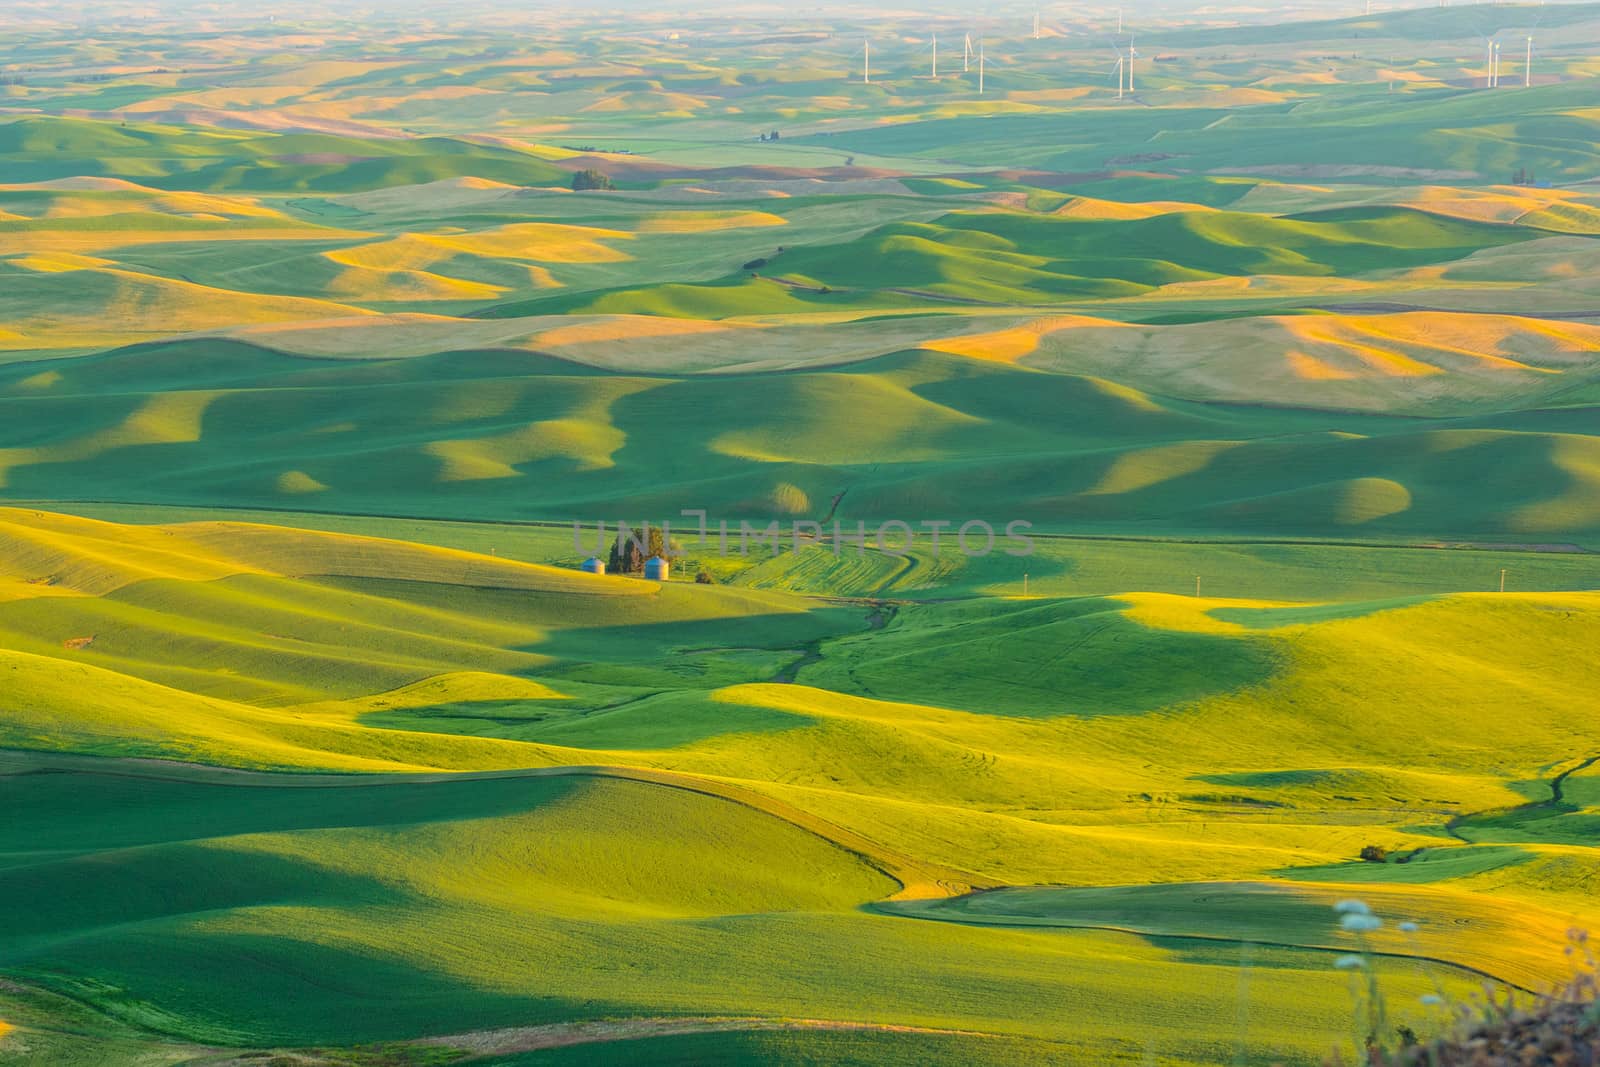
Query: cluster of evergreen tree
631,549
585,180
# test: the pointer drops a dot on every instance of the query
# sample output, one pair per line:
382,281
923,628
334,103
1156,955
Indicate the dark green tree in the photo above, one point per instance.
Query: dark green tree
585,180
635,545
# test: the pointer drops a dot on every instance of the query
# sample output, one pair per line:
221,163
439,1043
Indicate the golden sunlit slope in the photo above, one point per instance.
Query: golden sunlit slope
1557,210
1238,749
59,300
1415,361
1422,362
1245,690
917,432
50,555
663,914
1308,681
622,342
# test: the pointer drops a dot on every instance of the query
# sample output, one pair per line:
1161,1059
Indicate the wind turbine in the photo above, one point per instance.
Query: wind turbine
936,56
1124,67
1035,25
980,66
966,54
1527,66
866,62
1125,54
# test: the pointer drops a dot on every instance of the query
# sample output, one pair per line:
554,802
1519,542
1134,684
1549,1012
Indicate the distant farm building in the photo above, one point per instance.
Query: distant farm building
656,569
594,565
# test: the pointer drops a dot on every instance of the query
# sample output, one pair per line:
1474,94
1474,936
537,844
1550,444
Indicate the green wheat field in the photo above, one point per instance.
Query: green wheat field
320,368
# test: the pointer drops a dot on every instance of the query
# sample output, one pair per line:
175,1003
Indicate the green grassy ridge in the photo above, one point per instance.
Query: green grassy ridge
220,363
1060,566
729,948
1253,913
907,436
1087,566
277,641
286,936
176,893
143,221
528,543
1205,189
263,639
169,157
437,267
651,720
1029,260
729,297
985,255
117,814
1482,134
218,814
1039,658
1429,866
59,1030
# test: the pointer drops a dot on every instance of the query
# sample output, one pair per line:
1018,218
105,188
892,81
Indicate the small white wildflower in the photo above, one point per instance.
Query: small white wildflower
1432,1000
1408,928
1352,907
1349,963
1360,923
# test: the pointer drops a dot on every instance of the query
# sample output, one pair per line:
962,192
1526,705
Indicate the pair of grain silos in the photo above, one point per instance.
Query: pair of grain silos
656,569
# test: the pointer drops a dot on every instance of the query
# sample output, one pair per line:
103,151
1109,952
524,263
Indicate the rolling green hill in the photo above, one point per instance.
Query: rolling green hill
909,436
45,149
689,811
317,746
1447,134
1016,259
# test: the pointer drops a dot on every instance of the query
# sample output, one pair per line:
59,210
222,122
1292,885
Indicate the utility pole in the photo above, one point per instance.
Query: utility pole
1502,579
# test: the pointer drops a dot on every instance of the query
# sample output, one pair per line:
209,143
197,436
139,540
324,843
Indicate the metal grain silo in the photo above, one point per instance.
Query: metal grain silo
656,569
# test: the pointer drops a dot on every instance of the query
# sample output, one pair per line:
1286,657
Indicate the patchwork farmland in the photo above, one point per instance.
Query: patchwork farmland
335,345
